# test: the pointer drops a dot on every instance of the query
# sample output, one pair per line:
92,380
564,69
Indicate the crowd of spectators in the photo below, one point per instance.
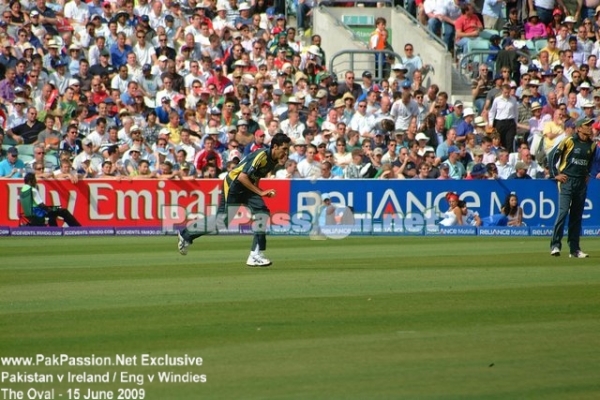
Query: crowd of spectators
541,76
173,90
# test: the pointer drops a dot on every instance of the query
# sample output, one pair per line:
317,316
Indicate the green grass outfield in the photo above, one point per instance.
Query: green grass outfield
361,318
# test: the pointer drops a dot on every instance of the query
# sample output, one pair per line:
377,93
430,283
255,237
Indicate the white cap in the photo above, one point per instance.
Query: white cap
399,66
588,104
73,81
163,58
421,136
243,6
314,50
468,111
519,44
480,121
234,153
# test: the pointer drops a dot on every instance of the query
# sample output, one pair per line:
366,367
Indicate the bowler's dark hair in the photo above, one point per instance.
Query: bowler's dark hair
280,139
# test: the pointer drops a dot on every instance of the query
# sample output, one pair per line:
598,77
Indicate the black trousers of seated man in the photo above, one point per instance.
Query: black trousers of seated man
56,212
53,213
235,199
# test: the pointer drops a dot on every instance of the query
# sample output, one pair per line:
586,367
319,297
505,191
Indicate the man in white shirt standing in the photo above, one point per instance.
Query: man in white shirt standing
404,110
503,116
77,13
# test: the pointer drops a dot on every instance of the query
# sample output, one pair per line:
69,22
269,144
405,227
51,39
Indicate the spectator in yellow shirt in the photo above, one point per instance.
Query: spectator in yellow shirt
554,131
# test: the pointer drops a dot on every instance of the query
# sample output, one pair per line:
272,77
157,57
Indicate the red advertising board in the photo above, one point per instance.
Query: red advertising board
144,203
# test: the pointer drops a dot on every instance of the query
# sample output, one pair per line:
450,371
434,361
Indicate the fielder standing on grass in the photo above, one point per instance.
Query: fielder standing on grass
240,187
570,164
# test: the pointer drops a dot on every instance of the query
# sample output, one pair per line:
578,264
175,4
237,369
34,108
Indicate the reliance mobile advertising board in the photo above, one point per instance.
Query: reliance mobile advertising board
142,203
375,198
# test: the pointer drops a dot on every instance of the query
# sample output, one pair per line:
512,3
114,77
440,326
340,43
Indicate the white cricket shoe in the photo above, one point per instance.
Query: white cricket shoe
555,252
258,260
182,244
578,254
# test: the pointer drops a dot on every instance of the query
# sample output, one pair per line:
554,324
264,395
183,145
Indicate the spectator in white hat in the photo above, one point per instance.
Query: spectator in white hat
220,21
18,114
399,72
585,94
465,126
423,141
588,109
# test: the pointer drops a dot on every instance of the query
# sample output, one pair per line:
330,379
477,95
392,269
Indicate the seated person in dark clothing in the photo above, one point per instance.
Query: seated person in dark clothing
36,211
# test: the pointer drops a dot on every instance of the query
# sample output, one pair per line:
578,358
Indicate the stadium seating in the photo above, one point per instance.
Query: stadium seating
26,158
488,33
478,44
52,158
540,44
8,141
531,47
25,149
474,46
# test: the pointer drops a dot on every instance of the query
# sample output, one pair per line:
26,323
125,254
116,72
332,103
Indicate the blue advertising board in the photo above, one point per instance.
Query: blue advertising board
374,201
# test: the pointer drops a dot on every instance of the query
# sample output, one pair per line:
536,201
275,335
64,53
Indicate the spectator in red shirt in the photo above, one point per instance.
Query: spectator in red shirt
218,79
468,26
257,144
206,154
98,92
